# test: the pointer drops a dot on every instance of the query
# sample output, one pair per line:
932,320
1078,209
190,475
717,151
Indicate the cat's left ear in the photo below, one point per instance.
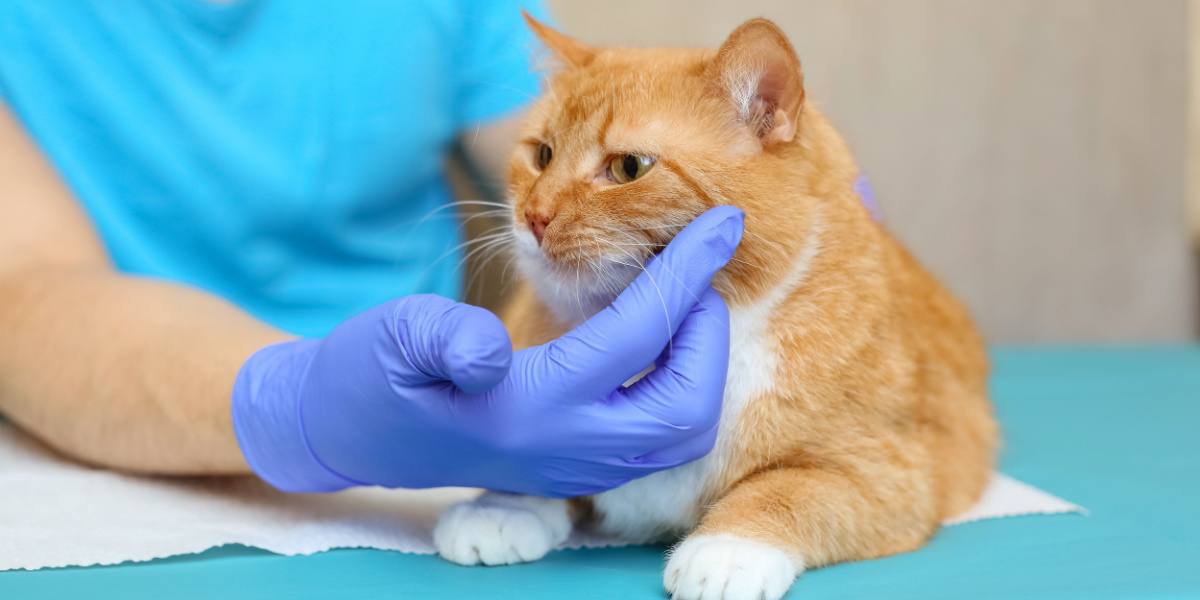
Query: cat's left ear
758,71
571,51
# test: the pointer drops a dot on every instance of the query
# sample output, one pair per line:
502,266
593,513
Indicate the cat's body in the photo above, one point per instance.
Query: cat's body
855,415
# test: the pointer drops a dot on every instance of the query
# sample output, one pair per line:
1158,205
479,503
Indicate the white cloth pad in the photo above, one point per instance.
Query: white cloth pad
56,513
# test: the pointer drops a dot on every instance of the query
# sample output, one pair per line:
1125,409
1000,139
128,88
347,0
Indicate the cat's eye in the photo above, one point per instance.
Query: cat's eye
624,168
543,156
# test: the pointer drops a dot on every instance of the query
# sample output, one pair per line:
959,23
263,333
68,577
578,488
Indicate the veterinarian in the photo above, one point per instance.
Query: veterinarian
187,186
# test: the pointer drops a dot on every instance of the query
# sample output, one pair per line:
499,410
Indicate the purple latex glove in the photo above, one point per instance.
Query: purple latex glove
426,392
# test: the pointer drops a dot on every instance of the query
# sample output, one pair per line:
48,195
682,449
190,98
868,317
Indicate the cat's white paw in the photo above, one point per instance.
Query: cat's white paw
726,567
501,529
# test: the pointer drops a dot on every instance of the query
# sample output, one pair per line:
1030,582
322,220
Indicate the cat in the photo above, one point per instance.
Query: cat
856,415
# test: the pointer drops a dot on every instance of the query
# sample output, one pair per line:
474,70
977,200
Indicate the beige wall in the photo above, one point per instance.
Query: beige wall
1193,160
1030,151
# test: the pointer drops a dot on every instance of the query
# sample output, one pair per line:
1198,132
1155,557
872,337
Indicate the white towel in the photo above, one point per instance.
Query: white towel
56,513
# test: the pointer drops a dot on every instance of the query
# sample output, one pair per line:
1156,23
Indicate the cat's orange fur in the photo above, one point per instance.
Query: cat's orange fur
877,425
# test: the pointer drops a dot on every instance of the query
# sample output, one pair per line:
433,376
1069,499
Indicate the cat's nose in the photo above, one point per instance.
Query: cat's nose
538,220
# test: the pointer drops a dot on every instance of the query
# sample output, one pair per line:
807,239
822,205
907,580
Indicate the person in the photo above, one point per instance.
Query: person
206,268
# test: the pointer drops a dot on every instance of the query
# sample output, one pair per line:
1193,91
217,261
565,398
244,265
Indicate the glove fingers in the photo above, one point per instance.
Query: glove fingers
625,337
682,397
684,452
586,477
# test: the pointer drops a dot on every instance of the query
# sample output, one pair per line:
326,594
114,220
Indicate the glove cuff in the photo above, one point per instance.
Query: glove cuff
267,421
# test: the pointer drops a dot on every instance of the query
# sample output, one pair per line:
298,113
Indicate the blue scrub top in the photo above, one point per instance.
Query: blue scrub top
278,153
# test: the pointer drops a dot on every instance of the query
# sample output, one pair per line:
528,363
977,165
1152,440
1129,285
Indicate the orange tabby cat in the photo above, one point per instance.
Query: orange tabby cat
855,416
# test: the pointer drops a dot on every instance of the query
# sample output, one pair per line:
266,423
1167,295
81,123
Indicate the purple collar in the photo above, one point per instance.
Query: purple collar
862,187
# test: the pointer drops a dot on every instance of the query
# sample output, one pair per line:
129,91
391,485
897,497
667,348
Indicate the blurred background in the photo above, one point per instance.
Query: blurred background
1035,154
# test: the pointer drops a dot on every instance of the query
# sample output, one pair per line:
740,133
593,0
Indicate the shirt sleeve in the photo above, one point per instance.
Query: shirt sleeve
495,71
3,86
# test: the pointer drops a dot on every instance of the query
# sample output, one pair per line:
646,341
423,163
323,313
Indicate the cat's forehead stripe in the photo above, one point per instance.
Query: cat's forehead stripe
577,112
605,124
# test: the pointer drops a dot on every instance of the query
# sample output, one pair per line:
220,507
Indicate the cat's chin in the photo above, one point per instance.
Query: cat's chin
574,292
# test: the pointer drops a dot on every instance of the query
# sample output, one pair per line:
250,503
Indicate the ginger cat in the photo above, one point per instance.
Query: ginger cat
855,417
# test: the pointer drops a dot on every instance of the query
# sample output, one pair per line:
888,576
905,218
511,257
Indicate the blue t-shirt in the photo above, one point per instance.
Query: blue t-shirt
278,153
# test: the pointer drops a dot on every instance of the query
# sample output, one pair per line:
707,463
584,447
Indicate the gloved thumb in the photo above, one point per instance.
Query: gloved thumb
443,340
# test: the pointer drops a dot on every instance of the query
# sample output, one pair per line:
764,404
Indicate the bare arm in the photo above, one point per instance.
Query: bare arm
122,371
114,370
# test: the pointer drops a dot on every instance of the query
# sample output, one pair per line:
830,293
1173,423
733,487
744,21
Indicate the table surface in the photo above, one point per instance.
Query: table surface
1113,429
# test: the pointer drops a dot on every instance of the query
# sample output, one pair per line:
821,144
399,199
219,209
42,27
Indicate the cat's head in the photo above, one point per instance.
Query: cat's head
629,145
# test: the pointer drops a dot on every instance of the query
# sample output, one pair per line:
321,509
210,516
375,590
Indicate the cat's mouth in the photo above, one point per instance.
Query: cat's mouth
595,257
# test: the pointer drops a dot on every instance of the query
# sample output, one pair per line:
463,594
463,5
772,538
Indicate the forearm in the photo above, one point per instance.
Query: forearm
124,372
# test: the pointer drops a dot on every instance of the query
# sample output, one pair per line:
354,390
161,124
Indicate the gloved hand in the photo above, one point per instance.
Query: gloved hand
425,392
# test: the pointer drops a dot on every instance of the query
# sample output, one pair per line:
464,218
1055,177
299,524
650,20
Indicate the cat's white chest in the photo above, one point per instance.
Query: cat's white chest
669,501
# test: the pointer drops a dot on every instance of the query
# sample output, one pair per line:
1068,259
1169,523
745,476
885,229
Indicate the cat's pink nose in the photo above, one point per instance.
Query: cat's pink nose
538,221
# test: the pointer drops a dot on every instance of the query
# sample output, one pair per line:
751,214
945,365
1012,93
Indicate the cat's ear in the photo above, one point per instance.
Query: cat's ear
758,71
571,51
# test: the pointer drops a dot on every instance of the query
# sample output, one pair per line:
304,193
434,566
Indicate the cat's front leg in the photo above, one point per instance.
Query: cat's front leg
501,529
767,530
